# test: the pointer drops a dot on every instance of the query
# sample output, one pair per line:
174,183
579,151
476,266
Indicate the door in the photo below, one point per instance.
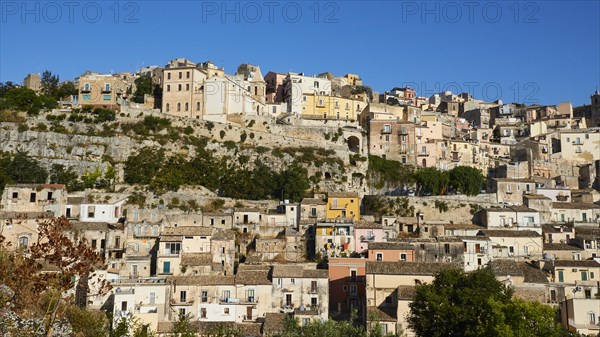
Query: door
249,312
167,267
561,276
134,270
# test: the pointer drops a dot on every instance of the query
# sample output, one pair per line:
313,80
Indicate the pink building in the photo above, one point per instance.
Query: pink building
391,252
365,232
347,287
274,87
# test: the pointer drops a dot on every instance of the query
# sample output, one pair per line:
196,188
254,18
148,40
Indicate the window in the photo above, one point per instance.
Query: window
172,248
187,74
91,211
588,293
592,317
124,306
15,195
226,294
180,75
168,76
293,281
353,289
136,247
197,106
167,107
178,107
250,295
168,88
379,256
49,196
561,276
584,275
182,296
94,243
87,97
106,87
181,312
446,248
592,276
225,311
353,275
152,299
86,87
316,84
187,87
204,296
32,197
402,257
288,300
186,106
23,242
202,312
313,303
179,87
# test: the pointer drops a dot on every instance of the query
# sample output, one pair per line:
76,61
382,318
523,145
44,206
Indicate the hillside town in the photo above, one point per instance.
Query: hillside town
397,187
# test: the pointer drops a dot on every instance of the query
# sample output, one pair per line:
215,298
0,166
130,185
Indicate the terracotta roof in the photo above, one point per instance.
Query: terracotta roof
514,180
560,246
223,235
273,323
507,233
517,208
502,267
188,231
315,273
196,259
391,246
89,226
574,205
253,277
287,271
408,268
536,196
342,195
171,238
532,274
462,226
576,263
587,233
313,201
202,280
382,314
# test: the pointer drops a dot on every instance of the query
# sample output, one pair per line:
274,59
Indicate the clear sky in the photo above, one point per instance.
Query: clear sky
534,52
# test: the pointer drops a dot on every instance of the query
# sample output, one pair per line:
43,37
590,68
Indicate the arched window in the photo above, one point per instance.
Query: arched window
255,90
23,242
178,106
136,247
155,230
186,106
197,106
167,107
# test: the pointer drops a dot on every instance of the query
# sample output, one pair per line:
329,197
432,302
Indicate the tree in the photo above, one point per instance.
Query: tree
49,83
143,86
71,259
142,167
432,180
23,169
467,180
66,89
184,327
476,305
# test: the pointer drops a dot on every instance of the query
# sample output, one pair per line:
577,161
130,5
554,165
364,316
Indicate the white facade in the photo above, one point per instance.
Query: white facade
110,213
296,85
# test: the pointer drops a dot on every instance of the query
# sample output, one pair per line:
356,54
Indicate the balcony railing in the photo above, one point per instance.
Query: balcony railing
367,238
386,131
423,154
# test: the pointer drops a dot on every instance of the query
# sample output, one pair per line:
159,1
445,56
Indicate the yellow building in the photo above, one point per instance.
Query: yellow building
343,205
330,107
101,90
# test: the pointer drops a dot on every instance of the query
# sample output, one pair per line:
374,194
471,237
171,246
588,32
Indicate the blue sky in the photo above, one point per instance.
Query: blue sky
534,52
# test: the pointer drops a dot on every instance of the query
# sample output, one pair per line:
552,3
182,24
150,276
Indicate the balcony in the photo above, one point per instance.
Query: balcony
106,90
386,131
181,302
313,290
423,154
577,142
403,151
86,90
